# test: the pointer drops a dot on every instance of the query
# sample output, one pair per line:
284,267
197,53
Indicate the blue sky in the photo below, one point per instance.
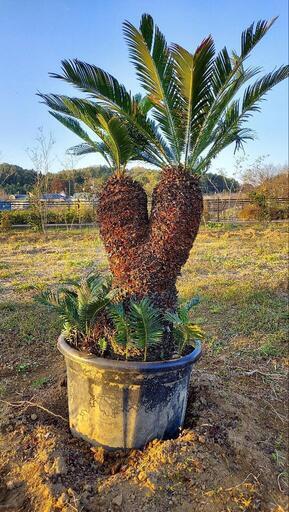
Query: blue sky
36,35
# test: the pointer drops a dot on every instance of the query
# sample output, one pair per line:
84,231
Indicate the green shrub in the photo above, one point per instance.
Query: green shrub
278,211
75,214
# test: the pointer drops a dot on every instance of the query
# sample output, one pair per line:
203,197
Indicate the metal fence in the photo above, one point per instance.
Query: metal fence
234,209
228,209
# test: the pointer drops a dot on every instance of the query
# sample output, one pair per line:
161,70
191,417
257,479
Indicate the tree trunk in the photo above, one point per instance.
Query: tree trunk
146,254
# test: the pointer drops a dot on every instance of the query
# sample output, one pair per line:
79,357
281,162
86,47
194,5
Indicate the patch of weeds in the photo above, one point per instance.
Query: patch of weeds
2,388
36,324
216,309
6,274
231,226
25,286
28,338
39,383
215,344
215,225
23,368
258,313
8,306
270,349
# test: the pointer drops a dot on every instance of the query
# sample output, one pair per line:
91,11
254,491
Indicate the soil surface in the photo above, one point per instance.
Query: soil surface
222,461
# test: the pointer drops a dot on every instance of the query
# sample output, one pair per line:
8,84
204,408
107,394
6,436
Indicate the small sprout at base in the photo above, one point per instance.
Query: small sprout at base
39,383
102,342
23,367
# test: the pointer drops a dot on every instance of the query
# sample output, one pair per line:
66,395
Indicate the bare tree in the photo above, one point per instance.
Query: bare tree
254,173
70,163
41,157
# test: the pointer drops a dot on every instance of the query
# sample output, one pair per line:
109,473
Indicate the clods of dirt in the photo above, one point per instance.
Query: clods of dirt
220,462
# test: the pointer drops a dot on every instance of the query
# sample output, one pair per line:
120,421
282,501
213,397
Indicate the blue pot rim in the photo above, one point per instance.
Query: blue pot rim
129,366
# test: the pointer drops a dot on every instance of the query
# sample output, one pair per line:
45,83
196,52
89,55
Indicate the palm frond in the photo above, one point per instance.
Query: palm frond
194,76
109,93
191,109
121,324
211,118
256,92
152,59
230,129
79,304
146,326
228,76
253,34
74,126
83,149
116,145
184,330
116,137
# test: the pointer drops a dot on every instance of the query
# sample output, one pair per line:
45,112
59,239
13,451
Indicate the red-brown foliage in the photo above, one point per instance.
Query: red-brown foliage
146,254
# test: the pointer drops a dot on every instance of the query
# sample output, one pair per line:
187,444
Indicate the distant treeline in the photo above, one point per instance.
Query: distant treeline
16,180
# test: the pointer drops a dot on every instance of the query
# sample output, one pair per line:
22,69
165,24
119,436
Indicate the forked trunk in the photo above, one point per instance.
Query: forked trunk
146,254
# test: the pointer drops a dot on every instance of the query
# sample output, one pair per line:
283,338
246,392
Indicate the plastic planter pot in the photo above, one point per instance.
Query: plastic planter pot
124,404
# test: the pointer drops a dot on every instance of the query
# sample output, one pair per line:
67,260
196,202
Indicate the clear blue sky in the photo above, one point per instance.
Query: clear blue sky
37,34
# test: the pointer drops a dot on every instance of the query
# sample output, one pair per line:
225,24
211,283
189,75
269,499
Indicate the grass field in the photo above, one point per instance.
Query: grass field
235,427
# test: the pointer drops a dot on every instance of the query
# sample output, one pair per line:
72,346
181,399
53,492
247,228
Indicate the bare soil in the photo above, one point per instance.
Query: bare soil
223,460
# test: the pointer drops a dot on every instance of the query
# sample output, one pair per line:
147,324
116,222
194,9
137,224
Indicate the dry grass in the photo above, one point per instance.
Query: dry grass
240,276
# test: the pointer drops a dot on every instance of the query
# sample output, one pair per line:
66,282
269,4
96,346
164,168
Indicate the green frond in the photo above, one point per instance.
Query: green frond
191,109
116,146
184,330
228,77
146,326
256,92
121,324
109,93
117,139
253,34
147,29
100,85
152,59
230,128
79,304
213,116
74,126
194,76
83,149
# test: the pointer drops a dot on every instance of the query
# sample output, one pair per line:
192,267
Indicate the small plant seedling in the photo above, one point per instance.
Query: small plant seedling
102,345
23,368
39,383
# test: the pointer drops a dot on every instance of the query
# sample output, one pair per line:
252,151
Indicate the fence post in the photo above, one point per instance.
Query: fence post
218,209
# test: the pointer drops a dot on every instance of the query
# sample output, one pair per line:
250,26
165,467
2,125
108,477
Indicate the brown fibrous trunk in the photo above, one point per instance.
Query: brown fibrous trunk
146,253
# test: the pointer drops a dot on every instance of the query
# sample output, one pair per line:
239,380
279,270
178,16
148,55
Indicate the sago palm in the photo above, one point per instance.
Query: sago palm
195,105
79,305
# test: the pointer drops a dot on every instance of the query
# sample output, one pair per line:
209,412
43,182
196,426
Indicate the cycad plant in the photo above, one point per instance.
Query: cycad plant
139,327
184,330
79,305
194,105
82,305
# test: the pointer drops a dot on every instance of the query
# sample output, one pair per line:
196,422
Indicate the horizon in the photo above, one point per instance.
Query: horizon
34,41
